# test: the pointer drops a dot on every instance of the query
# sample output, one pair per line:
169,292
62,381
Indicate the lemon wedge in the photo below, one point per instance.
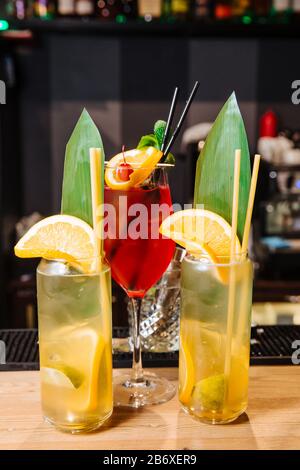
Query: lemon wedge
60,237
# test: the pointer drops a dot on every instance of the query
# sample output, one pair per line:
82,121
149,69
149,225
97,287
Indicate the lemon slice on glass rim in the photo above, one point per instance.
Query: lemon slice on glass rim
61,237
202,233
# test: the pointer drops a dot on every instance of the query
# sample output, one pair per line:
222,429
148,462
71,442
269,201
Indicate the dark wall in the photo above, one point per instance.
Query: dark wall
126,84
34,77
10,172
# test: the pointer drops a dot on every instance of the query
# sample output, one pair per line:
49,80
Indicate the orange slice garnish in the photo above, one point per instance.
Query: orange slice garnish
142,163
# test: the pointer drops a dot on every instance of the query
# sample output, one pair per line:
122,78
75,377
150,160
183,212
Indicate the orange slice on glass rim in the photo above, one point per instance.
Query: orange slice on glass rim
60,237
142,162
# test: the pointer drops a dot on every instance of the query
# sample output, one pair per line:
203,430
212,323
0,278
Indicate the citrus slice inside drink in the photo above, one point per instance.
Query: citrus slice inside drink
96,370
210,392
74,361
187,372
60,237
54,376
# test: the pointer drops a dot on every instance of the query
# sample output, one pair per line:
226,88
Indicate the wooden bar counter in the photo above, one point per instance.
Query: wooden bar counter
272,420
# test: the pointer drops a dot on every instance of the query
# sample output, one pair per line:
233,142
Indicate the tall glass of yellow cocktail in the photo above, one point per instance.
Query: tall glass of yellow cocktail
206,390
74,311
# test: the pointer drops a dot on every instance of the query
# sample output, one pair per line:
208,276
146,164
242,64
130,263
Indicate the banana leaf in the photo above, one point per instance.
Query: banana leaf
215,165
76,191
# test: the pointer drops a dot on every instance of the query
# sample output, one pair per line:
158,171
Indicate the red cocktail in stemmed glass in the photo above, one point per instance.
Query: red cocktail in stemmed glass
138,255
138,199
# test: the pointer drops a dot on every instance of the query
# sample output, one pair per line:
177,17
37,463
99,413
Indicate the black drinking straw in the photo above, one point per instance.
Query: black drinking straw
170,119
182,118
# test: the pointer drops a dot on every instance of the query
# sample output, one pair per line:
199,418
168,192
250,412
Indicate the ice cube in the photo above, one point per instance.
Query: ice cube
56,268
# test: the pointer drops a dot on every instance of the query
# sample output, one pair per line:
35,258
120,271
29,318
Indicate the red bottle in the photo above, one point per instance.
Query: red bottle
223,10
268,124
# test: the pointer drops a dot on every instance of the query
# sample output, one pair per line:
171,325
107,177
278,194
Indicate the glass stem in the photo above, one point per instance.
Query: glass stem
137,368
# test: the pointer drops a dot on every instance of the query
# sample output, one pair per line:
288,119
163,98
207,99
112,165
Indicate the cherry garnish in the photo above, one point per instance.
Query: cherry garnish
124,170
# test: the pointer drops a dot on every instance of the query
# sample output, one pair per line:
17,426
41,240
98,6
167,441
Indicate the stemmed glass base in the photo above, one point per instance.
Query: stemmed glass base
151,390
140,388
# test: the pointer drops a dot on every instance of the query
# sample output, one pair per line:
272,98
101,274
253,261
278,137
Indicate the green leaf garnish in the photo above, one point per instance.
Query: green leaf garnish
148,141
170,160
76,191
215,165
155,140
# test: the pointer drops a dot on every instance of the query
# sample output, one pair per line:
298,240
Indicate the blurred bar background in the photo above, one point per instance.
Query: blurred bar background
121,59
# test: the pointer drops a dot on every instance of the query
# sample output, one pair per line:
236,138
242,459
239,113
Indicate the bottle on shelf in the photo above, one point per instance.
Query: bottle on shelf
242,11
280,11
128,11
223,10
268,124
202,10
44,9
3,10
262,10
180,9
296,10
85,8
167,10
296,138
108,10
150,9
66,8
16,9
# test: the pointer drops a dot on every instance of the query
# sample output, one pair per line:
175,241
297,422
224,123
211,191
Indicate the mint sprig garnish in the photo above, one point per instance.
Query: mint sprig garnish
156,139
148,141
159,131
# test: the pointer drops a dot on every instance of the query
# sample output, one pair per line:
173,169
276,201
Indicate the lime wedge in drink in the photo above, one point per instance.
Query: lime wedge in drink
209,392
77,362
62,376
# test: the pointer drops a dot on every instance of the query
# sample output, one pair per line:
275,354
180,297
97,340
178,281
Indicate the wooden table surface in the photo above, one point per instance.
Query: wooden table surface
272,420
